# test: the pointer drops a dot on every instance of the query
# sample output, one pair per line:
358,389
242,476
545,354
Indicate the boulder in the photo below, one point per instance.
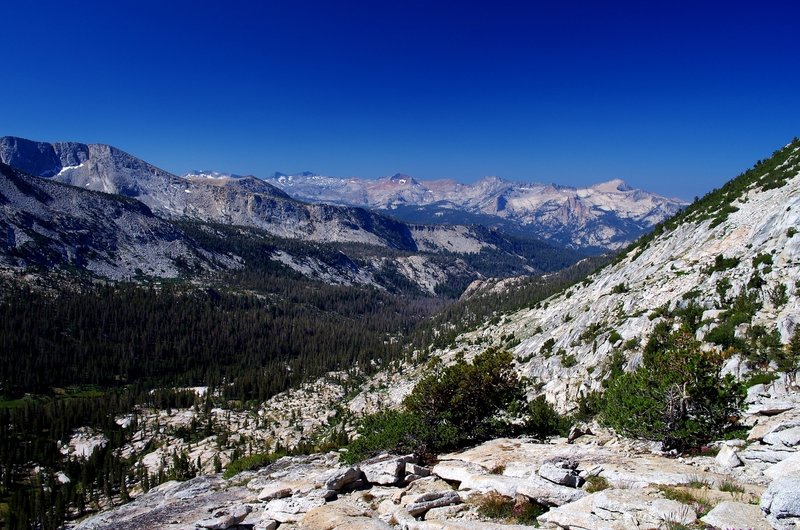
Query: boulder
755,393
339,516
578,430
291,509
783,435
787,467
765,454
338,479
727,457
766,424
445,512
385,469
617,509
275,491
415,469
435,499
781,502
547,493
729,514
770,408
225,518
563,472
419,487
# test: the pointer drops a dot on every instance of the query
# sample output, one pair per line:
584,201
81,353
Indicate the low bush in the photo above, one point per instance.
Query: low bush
250,462
455,406
596,483
676,397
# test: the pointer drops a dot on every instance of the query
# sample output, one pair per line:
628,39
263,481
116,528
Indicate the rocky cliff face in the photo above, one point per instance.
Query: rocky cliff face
53,225
237,201
607,215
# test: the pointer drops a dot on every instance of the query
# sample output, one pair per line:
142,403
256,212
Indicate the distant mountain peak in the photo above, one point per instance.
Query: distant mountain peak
402,178
209,174
612,186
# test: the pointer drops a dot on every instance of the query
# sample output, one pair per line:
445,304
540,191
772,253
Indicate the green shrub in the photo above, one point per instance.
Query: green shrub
760,378
450,407
250,462
791,231
762,259
731,487
568,361
721,263
391,430
547,348
778,295
691,315
496,506
596,483
620,288
676,397
543,420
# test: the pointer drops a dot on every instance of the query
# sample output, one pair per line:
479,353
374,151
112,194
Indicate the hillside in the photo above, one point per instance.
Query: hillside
48,225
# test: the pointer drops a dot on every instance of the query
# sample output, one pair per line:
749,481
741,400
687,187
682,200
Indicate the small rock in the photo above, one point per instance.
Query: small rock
591,472
277,491
431,500
728,514
562,472
727,457
415,469
340,478
225,518
385,469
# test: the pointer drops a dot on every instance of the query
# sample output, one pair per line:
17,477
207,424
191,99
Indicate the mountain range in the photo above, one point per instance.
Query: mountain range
360,246
605,216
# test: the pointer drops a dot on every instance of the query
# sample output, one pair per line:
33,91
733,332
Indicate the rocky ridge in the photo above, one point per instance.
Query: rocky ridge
607,215
54,225
212,199
594,479
617,308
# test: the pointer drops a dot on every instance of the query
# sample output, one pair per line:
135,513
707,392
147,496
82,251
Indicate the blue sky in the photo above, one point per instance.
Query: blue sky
674,97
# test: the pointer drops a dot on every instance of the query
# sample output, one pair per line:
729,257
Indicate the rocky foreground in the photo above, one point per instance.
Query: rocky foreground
593,479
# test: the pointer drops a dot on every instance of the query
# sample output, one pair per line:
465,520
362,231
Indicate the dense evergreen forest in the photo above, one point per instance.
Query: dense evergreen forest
86,353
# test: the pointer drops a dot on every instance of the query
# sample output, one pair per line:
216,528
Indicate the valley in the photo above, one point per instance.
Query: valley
210,351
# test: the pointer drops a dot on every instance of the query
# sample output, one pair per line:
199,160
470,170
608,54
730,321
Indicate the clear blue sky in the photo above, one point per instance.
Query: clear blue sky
675,97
